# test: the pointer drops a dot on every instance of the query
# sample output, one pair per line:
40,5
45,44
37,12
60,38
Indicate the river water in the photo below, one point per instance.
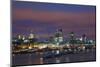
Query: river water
36,58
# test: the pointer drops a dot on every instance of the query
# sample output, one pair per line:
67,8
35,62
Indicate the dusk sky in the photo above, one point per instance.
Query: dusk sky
45,18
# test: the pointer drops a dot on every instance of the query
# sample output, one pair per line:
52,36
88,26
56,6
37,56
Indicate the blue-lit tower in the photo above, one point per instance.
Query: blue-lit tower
58,36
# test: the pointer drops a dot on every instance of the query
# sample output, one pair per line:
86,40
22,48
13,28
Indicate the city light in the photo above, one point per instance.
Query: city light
57,42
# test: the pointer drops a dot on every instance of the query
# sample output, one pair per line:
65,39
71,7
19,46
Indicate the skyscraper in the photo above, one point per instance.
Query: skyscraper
58,36
72,37
84,38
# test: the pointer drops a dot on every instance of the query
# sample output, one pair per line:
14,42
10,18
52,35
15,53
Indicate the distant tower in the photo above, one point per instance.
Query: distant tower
19,37
58,36
23,38
51,39
84,38
72,35
31,35
20,40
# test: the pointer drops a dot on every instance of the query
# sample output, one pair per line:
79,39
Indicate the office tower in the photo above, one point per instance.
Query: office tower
58,36
72,37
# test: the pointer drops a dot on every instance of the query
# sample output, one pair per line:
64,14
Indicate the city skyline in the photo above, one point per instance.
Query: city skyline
44,18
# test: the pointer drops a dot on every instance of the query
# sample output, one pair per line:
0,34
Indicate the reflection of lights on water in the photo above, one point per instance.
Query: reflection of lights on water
29,59
87,50
30,54
37,52
18,54
41,60
57,60
41,53
67,59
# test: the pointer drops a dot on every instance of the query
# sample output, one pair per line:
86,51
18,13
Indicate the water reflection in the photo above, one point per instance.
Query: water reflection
57,60
37,58
67,59
41,60
29,59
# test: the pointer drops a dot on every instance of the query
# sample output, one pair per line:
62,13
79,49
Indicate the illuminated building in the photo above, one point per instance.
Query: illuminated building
84,38
58,36
72,39
19,37
31,36
23,38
